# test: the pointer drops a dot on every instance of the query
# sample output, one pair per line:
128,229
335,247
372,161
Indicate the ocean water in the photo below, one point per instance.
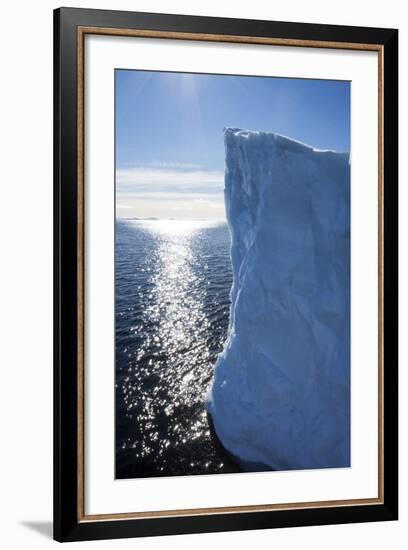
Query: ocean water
173,280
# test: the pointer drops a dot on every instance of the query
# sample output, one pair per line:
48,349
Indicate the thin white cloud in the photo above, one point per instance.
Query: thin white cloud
149,179
158,195
163,164
146,191
180,209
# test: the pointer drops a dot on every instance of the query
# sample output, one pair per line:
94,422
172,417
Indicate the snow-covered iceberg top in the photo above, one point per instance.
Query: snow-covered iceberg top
281,392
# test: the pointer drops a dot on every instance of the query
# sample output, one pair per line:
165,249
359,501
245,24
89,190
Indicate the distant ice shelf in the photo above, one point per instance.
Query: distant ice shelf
280,398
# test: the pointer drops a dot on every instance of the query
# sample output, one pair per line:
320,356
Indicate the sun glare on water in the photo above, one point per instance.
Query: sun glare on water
172,369
171,228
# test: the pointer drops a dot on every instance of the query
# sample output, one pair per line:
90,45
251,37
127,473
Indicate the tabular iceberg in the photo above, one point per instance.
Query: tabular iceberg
280,398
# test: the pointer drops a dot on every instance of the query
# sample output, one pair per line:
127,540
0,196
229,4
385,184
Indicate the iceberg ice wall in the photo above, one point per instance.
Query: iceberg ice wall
281,392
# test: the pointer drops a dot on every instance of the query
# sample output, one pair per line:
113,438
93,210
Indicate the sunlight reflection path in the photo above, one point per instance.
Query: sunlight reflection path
170,375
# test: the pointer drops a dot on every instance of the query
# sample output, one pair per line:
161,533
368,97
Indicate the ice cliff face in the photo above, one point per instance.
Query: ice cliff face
281,392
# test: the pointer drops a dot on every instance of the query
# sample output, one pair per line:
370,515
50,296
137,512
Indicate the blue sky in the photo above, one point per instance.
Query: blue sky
169,139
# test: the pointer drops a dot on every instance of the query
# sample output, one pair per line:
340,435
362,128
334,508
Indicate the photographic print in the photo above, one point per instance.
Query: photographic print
225,274
232,273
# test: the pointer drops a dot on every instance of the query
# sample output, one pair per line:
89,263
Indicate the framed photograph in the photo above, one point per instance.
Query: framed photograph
225,274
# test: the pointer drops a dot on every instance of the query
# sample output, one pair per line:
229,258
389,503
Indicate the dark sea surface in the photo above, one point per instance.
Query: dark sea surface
173,280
